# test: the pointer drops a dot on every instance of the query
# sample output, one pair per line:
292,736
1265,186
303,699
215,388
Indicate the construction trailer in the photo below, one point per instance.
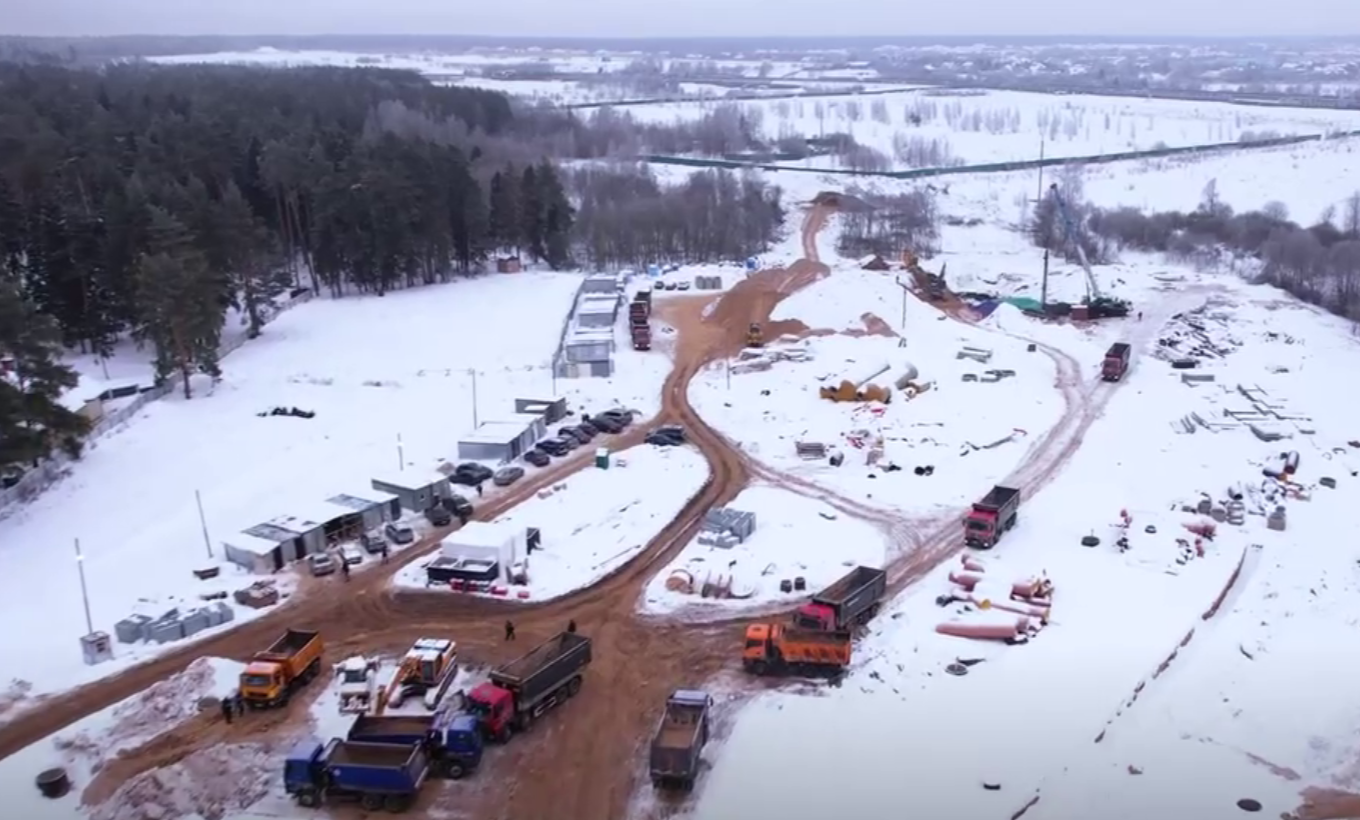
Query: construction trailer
374,510
606,283
271,545
480,552
503,440
587,351
597,311
417,490
552,410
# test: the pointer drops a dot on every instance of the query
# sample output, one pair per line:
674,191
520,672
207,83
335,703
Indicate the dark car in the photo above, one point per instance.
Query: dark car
667,436
570,441
471,473
576,434
588,425
553,447
439,516
400,534
372,542
618,414
457,505
605,424
537,457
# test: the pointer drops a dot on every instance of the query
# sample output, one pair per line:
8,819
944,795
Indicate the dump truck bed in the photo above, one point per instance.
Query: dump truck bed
544,666
382,755
997,498
1118,350
839,592
414,727
381,768
794,635
292,642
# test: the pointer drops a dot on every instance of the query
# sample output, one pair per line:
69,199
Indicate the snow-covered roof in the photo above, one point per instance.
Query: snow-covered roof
493,534
311,516
588,335
597,307
500,431
253,544
430,649
359,503
409,479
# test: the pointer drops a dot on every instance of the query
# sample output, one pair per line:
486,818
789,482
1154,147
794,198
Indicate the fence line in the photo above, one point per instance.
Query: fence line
52,469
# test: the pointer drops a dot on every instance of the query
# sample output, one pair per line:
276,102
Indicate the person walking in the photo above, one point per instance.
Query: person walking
384,552
571,626
509,630
228,710
479,489
344,568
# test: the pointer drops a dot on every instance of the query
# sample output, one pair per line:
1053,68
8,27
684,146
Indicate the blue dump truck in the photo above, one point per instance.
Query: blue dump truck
374,775
452,739
680,739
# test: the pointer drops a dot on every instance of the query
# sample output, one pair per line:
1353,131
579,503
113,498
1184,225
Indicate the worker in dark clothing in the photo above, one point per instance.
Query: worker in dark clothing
509,630
228,709
479,490
239,704
344,569
1140,315
571,626
384,552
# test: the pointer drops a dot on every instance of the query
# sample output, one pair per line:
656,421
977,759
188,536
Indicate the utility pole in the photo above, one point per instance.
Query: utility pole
1043,288
1039,198
401,456
473,373
906,289
729,374
203,522
84,590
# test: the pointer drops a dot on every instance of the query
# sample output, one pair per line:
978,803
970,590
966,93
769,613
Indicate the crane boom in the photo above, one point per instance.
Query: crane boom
1070,235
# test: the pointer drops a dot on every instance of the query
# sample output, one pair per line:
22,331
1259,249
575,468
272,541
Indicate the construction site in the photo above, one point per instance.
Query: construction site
437,697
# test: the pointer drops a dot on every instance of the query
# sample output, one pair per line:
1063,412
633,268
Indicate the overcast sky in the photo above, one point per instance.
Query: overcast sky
639,18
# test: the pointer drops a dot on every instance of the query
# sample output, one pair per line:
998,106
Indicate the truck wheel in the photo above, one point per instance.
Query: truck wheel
505,734
759,667
455,770
397,803
308,800
573,686
371,802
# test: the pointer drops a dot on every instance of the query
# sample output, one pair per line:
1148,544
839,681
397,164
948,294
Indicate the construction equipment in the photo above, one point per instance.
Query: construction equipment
358,684
427,670
774,649
850,602
374,775
639,320
1116,362
273,675
991,517
755,335
680,739
521,691
1071,237
858,388
451,737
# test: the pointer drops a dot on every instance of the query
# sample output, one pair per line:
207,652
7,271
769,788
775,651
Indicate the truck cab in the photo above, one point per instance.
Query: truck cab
263,682
457,746
494,709
304,772
982,527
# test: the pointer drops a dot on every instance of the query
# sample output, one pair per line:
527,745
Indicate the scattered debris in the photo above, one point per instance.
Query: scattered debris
1247,804
289,411
956,669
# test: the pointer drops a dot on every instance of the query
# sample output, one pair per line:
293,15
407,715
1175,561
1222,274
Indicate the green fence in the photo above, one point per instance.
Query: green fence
1001,167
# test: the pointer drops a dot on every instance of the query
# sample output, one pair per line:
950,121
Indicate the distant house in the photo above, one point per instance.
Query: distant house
509,264
873,262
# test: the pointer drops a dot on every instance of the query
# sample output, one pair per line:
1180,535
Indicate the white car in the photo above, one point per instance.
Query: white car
351,554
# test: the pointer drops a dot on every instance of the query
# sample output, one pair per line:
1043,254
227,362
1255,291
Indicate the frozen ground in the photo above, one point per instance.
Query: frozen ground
1218,725
1000,126
795,537
130,501
92,742
766,413
596,520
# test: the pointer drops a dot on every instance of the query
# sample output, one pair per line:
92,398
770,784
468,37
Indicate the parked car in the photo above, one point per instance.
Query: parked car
506,476
577,434
553,447
537,457
618,414
470,473
351,554
457,505
569,441
439,516
372,542
670,436
587,424
682,286
606,424
321,563
399,534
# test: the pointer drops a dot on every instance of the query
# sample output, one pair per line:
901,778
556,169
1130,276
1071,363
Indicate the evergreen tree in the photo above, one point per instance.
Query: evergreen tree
503,217
532,214
33,421
181,303
558,217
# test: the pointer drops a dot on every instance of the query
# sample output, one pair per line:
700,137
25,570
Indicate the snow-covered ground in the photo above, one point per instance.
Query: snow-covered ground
1000,126
90,744
1218,725
947,427
131,502
598,519
795,537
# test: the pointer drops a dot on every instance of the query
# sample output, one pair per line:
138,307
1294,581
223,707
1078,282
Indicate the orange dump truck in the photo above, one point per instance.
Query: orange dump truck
775,649
273,675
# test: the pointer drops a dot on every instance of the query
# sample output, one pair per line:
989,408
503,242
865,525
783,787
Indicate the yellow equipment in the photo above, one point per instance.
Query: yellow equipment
427,669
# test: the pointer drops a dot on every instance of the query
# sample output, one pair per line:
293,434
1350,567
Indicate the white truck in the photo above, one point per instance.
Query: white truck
358,684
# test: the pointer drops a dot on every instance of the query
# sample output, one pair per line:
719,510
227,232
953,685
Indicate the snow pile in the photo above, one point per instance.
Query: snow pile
794,537
207,785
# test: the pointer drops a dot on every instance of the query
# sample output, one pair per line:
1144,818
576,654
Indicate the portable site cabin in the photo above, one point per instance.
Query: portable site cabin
503,440
597,311
374,511
486,548
416,490
587,351
601,283
255,553
552,410
334,522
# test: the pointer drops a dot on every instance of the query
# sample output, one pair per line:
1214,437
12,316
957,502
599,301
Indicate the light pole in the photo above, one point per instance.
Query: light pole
84,590
203,522
473,373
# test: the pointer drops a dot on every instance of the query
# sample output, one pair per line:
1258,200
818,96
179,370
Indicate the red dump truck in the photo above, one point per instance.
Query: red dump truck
990,517
639,314
850,602
522,690
1116,362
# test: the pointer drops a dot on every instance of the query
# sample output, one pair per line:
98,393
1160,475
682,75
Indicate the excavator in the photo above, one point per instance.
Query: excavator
755,336
427,670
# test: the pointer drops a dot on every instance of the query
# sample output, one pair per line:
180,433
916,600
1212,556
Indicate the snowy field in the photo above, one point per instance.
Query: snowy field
595,521
1116,618
94,742
795,537
948,427
139,528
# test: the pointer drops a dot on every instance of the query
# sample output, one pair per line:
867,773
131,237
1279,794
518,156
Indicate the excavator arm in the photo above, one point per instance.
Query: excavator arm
1070,235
